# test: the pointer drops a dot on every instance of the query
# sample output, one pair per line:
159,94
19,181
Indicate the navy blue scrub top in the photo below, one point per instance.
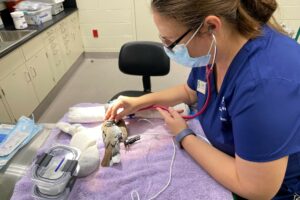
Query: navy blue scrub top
256,113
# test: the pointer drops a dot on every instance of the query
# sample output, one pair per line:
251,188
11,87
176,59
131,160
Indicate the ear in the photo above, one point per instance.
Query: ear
212,23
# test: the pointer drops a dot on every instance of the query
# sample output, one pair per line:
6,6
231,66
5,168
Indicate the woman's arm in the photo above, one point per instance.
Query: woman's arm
250,180
169,97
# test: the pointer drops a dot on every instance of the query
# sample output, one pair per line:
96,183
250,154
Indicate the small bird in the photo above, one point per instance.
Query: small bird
113,133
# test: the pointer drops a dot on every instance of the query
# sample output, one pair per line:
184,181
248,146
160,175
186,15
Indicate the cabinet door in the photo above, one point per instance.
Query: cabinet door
41,74
54,54
56,62
4,117
19,92
64,39
76,44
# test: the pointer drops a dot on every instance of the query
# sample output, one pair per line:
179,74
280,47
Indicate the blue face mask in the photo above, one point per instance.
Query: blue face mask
17,137
181,55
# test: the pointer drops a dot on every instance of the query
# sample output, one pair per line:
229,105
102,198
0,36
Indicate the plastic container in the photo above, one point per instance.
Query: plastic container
55,171
57,5
38,17
57,8
49,1
40,196
19,20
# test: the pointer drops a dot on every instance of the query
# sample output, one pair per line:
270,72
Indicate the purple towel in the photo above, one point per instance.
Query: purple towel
144,167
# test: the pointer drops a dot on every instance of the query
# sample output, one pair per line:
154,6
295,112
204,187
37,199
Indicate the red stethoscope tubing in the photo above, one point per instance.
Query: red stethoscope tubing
188,117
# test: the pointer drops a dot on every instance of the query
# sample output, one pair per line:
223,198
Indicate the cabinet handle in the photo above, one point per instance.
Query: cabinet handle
27,77
3,92
34,71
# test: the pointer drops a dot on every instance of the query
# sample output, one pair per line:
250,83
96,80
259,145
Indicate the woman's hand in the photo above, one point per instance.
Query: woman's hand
121,107
173,120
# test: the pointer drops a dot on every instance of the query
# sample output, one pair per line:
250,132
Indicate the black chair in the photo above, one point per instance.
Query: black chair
144,59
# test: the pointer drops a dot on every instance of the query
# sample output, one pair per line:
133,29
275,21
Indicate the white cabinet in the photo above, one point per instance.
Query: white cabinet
64,39
40,74
54,52
38,66
76,45
4,116
32,47
70,39
29,73
8,65
19,92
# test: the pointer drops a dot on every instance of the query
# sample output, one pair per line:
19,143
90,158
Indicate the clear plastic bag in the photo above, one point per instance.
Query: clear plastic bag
30,6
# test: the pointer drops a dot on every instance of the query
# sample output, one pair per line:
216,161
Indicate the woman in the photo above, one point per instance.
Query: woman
251,95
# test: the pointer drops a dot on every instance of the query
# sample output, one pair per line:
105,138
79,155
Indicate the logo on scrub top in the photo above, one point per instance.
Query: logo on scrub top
224,117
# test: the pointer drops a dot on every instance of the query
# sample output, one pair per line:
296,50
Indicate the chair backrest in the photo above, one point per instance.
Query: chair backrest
144,59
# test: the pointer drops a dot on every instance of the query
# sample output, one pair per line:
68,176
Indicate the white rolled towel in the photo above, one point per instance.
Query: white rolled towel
86,114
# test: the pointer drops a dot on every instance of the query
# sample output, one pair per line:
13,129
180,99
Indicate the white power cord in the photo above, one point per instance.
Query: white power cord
134,192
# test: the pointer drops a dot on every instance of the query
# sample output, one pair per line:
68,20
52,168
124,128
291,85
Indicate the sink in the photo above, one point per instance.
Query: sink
10,38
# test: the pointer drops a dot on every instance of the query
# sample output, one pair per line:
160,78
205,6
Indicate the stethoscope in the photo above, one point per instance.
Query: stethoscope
208,71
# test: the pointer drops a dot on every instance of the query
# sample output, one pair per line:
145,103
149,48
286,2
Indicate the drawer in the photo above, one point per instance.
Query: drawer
51,32
32,47
11,61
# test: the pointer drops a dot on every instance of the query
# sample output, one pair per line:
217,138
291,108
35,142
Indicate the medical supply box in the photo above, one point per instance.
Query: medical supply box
38,17
56,5
57,8
35,13
54,172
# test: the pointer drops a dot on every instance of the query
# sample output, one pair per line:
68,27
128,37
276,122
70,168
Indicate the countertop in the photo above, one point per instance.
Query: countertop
39,29
20,163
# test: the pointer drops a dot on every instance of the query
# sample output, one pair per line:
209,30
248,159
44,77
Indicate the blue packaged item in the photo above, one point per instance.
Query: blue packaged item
20,135
2,137
5,129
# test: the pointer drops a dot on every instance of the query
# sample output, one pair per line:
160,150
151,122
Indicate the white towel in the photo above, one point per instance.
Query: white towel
86,114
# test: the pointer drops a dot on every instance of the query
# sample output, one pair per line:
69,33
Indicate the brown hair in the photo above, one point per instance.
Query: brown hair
247,16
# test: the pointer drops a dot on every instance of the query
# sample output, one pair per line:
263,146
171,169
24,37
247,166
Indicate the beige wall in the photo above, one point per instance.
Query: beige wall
119,21
289,13
114,20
